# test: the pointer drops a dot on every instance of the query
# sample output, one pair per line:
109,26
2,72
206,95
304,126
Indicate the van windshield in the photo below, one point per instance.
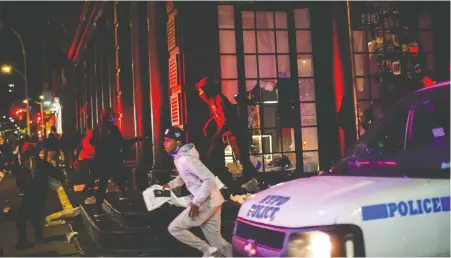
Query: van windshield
410,142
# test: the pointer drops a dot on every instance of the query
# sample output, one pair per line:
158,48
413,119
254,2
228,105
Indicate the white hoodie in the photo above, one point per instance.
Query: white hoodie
198,178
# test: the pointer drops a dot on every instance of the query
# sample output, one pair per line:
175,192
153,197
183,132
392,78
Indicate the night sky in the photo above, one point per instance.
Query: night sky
27,18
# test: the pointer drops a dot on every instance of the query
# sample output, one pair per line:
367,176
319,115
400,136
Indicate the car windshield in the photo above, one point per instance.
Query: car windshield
407,142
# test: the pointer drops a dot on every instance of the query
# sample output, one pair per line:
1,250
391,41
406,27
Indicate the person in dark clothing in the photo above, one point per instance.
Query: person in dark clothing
53,147
108,161
35,194
227,133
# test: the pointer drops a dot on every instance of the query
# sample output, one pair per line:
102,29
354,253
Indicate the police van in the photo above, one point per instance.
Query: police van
389,195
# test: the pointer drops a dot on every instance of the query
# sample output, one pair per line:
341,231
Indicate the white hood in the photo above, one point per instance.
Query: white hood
321,200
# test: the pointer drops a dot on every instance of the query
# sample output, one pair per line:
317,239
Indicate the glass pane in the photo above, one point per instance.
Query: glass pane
276,162
267,66
226,17
250,85
361,67
283,63
271,141
281,20
311,161
309,138
253,116
256,145
360,43
228,67
282,41
291,161
249,41
308,114
362,88
306,90
374,69
266,42
305,66
265,20
248,20
362,106
257,161
303,41
302,18
230,88
288,143
430,62
375,83
270,116
250,66
426,41
227,42
268,90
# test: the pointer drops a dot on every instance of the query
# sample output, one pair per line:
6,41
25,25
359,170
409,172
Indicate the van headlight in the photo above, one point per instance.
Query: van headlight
309,244
336,241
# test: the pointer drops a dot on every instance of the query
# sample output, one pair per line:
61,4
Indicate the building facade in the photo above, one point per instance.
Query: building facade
301,74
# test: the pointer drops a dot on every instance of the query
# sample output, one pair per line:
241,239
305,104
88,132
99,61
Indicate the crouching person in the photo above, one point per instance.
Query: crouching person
205,208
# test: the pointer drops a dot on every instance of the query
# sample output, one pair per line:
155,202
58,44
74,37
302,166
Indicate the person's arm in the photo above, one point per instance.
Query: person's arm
176,182
16,151
196,167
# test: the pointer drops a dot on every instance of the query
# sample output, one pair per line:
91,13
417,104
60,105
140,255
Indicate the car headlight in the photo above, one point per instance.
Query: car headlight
336,241
309,244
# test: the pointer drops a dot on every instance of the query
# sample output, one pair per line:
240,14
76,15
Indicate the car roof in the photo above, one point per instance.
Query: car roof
436,92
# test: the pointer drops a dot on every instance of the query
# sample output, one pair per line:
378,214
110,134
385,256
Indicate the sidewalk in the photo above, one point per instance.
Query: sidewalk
56,235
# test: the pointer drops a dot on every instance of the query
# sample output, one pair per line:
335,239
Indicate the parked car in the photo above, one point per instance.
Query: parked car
389,195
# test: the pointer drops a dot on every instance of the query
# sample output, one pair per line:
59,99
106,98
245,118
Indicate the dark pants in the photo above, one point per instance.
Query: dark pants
106,170
215,159
32,208
87,174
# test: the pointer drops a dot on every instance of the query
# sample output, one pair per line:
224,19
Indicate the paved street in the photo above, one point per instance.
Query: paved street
56,241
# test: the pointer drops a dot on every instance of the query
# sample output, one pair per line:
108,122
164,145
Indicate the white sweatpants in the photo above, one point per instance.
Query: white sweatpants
209,220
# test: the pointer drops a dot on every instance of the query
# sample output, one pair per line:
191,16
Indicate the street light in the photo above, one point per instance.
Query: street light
8,69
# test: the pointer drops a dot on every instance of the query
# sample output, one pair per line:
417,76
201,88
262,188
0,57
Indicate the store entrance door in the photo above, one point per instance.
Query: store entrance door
269,53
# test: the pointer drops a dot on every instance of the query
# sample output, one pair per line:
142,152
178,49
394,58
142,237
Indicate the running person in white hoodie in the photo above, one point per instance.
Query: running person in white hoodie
205,208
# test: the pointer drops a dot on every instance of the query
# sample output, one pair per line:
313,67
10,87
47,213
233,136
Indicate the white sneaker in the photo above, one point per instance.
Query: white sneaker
212,252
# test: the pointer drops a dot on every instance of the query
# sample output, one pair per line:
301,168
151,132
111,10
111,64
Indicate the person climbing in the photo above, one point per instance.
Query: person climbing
228,132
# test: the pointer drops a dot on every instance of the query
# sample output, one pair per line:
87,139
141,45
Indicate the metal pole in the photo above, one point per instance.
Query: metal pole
25,79
354,92
42,117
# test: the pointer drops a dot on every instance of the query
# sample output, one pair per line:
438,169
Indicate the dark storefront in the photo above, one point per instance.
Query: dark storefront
291,63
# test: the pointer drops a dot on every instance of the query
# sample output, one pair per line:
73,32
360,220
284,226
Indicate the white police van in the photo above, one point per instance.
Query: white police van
389,196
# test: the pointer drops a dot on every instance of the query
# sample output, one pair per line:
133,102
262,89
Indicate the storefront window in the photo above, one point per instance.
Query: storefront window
309,130
266,63
266,50
384,45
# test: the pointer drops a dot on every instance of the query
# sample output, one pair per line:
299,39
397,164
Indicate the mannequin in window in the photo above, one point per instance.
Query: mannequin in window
223,114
